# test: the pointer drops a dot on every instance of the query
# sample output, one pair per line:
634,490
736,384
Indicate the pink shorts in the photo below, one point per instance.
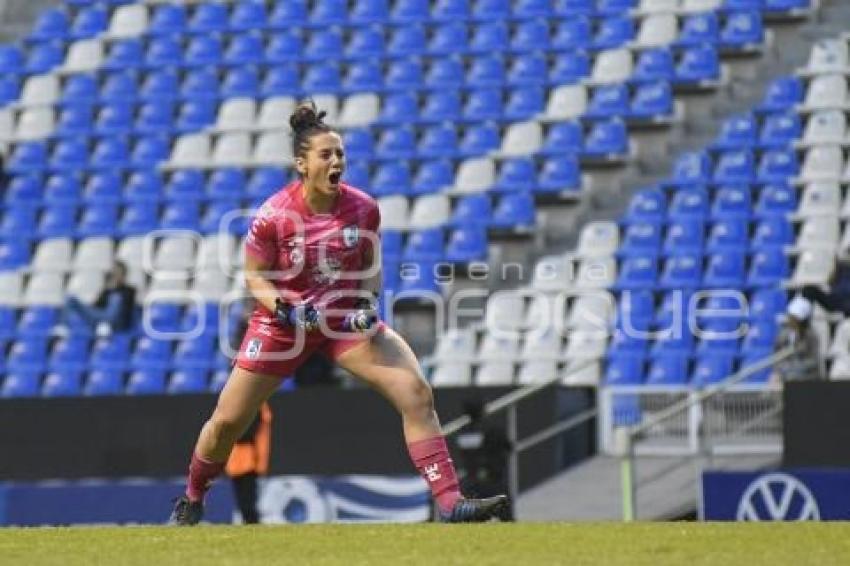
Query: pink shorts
269,351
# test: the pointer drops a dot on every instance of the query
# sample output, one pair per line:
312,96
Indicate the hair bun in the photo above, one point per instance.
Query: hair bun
306,117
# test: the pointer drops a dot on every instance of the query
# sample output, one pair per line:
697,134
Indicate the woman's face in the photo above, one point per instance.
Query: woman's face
323,164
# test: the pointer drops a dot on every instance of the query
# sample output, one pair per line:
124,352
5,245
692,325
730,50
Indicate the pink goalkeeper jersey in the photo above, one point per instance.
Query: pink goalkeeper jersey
313,255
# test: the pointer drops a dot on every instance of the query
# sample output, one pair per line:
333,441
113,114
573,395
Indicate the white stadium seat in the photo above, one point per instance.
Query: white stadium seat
820,198
169,287
53,255
600,238
232,148
499,346
211,284
658,6
593,311
565,103
535,371
11,288
85,285
523,138
495,373
175,253
840,369
583,344
657,30
275,112
822,233
128,21
814,267
236,114
40,90
828,55
395,211
612,66
45,288
554,273
542,345
35,124
430,211
505,311
329,104
824,162
83,56
825,127
589,374
191,150
456,344
475,175
359,110
597,273
216,251
826,91
95,253
273,148
452,374
840,346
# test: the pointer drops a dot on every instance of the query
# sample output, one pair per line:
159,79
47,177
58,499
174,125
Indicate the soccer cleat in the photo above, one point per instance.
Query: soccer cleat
475,510
186,512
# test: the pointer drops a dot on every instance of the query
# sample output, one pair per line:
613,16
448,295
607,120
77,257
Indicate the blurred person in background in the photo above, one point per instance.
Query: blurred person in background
835,295
113,309
249,460
806,363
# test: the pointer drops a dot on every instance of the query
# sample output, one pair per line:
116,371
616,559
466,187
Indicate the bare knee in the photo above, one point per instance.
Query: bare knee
225,427
418,399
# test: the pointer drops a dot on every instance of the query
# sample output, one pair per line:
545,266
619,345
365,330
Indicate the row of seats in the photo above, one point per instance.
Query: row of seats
674,370
653,206
500,373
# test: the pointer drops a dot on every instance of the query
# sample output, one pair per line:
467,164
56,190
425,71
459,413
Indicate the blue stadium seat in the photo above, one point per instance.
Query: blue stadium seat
486,72
608,101
524,103
155,117
125,54
405,75
323,45
450,11
624,370
779,130
143,186
669,370
80,88
194,353
103,188
782,94
654,65
167,19
139,218
65,382
647,205
391,178
776,200
780,6
27,355
57,222
732,5
754,356
240,82
288,15
641,239
692,168
248,16
51,24
208,18
732,202
185,184
607,139
531,35
164,51
149,353
467,244
190,380
281,81
480,139
572,34
445,73
637,272
698,65
767,267
489,38
99,220
698,29
227,183
119,87
517,174
215,213
760,336
195,115
284,47
682,272
407,41
370,12
359,143
18,224
689,205
488,10
410,11
396,143
203,51
209,325
25,190
684,237
728,235
777,166
613,32
742,30
322,79
737,132
767,303
391,245
635,308
37,321
735,166
438,141
432,176
245,49
559,174
11,59
70,354
364,76
108,153
112,353
564,138
266,180
397,109
218,379
366,43
328,13
159,86
773,232
419,277
528,69
448,39
16,254
710,369
356,173
441,106
532,9
104,382
21,383
515,211
8,321
115,118
614,7
28,157
63,188
149,151
89,22
472,210
482,105
570,68
725,270
674,338
43,57
146,381
10,87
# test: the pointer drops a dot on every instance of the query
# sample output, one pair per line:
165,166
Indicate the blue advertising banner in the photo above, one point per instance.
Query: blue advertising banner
782,495
282,499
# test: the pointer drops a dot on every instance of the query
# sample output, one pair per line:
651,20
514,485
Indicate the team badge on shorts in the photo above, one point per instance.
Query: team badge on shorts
252,351
350,235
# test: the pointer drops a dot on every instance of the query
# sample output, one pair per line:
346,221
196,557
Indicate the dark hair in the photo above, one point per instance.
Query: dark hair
306,121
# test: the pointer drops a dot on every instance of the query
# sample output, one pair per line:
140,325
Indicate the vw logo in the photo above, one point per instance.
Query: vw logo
778,497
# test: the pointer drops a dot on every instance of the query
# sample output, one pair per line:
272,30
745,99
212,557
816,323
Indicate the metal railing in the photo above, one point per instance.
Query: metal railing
681,414
508,403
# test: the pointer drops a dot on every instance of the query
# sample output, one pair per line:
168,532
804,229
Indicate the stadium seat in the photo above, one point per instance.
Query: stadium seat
208,18
370,12
699,29
684,237
607,140
608,101
682,271
669,370
781,94
21,383
779,130
698,65
514,211
637,273
742,30
467,244
432,177
624,371
559,174
711,369
732,201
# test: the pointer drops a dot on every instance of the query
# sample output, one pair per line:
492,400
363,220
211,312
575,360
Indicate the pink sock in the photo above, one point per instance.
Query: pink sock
202,472
431,458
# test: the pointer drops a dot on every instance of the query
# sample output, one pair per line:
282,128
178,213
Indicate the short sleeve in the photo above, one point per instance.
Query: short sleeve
261,242
373,218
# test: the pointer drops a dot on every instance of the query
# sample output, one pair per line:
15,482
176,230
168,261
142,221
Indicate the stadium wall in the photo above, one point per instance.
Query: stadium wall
817,424
319,431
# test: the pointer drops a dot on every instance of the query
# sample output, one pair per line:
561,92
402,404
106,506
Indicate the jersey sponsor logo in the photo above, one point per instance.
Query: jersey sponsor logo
327,272
252,351
778,497
432,472
351,235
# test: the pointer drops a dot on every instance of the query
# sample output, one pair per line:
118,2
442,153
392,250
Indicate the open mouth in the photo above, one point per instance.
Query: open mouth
334,177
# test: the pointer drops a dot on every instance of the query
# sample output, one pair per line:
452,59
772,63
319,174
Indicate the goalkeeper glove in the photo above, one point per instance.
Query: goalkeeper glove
304,316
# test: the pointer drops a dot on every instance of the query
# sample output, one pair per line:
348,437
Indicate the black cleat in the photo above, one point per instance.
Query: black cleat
475,510
186,512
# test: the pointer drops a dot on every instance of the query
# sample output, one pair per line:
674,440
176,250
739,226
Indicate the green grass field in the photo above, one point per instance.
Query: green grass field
680,544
